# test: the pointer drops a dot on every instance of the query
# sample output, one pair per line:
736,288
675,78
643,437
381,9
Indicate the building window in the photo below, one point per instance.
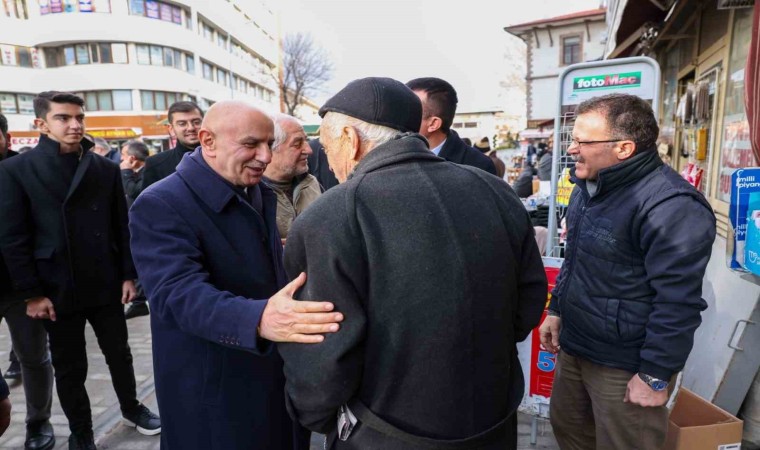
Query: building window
208,71
221,77
69,6
14,8
207,31
96,53
190,64
23,57
736,149
143,54
221,40
8,104
571,50
161,101
118,100
153,9
156,55
122,100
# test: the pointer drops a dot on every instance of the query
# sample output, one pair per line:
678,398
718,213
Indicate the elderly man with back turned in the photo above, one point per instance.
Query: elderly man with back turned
628,296
208,252
437,271
288,173
439,105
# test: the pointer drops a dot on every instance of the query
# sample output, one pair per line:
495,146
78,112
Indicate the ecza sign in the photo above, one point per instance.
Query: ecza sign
609,81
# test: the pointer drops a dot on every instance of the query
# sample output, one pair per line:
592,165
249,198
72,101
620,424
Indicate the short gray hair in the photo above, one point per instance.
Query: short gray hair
279,134
137,149
102,143
368,132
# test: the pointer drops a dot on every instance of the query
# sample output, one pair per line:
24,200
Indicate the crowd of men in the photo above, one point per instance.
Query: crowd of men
371,286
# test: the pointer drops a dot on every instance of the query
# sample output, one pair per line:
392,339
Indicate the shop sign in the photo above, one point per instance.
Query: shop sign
18,142
9,55
607,81
744,215
117,133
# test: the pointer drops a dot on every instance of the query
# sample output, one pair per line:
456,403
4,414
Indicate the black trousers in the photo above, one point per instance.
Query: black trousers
69,352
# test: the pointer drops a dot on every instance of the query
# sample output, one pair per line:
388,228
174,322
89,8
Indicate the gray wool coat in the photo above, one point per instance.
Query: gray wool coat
436,269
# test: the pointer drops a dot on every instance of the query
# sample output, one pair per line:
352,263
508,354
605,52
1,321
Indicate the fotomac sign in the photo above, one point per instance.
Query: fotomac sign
607,81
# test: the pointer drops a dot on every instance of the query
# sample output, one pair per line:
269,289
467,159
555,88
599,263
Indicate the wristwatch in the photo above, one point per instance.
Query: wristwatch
656,384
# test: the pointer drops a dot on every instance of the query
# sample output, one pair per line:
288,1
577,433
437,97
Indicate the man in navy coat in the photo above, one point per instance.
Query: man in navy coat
206,247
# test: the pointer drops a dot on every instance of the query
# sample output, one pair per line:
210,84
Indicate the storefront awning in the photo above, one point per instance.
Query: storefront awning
628,20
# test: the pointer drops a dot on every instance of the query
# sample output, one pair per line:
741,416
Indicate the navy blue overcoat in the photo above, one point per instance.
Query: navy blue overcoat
209,261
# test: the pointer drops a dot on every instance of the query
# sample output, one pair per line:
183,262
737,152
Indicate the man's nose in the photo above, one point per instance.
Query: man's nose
306,149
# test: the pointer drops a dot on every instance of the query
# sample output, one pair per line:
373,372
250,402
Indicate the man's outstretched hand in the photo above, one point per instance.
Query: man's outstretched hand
288,320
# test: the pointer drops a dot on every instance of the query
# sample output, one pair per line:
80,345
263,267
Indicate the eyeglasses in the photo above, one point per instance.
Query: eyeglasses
577,143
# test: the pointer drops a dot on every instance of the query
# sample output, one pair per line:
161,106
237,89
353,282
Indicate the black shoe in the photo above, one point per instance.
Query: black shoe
39,436
13,372
137,310
145,421
82,441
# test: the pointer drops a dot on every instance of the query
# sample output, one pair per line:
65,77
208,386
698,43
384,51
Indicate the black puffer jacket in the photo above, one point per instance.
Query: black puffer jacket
629,291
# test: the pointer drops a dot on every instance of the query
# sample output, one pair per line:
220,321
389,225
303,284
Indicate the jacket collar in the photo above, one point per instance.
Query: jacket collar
404,147
453,147
209,186
52,147
181,149
624,173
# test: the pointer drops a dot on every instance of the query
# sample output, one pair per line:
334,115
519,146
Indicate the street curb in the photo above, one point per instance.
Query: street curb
110,419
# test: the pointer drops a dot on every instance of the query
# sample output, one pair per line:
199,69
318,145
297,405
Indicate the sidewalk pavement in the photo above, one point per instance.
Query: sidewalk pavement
110,434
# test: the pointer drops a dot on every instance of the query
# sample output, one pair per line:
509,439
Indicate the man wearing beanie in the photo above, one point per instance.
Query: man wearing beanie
436,270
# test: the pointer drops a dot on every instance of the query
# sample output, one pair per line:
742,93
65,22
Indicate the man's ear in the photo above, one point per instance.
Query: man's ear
41,125
208,141
354,143
625,150
434,124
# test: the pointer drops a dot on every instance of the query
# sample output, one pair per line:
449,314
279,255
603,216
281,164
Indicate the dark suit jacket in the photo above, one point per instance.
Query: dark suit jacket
456,151
209,262
5,278
319,167
160,166
133,184
436,268
70,244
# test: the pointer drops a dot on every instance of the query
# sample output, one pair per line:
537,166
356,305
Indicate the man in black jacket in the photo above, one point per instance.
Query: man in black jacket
439,105
65,242
184,123
30,343
437,272
628,297
133,156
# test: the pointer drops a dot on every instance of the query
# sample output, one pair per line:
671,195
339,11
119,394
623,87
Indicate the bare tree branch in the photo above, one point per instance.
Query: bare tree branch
305,67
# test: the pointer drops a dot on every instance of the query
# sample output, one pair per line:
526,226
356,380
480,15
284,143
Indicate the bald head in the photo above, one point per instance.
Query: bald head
236,139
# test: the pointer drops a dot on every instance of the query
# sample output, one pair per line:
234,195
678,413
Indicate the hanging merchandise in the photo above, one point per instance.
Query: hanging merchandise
692,173
702,102
685,110
701,153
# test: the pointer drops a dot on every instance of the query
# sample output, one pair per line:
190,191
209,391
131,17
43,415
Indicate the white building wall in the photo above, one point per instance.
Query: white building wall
546,63
120,26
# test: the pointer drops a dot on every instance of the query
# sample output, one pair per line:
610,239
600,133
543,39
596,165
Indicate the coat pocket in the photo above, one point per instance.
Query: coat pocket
213,368
44,253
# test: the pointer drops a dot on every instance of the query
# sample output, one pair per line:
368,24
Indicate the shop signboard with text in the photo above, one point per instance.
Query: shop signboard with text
744,217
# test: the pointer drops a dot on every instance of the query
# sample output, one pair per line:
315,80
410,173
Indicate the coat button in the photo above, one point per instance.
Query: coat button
94,207
97,234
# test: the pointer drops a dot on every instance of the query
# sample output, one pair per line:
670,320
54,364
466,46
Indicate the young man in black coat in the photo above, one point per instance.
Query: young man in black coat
184,123
65,241
30,343
436,269
439,105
